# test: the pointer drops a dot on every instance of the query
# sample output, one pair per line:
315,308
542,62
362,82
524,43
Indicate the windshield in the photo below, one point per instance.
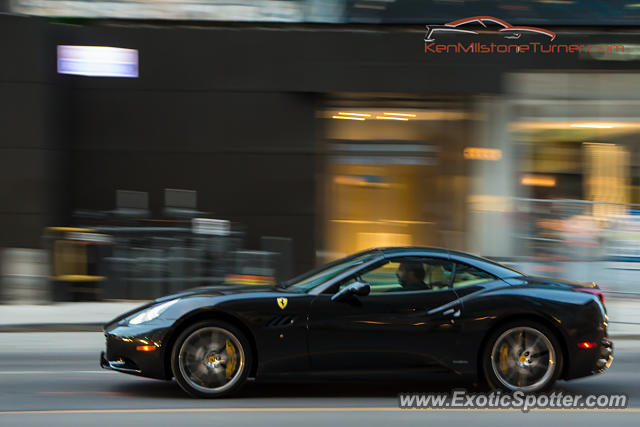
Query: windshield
311,279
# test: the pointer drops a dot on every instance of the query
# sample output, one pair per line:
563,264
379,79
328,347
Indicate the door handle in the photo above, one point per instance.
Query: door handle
451,312
455,311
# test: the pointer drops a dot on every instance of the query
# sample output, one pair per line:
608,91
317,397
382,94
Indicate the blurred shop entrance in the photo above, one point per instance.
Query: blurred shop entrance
393,173
576,135
576,138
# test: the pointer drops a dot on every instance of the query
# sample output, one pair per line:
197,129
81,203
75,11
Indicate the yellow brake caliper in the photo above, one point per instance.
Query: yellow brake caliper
504,354
232,359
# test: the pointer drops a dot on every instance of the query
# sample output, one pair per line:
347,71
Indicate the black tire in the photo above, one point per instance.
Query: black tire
494,370
180,369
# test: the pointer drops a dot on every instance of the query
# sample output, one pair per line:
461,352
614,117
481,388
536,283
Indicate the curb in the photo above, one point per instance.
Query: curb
53,327
624,337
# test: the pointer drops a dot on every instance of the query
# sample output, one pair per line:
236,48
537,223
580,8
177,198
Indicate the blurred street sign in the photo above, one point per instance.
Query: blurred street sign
89,237
217,227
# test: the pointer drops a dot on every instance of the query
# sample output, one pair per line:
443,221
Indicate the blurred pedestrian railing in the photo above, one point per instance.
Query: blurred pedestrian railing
578,230
140,262
148,262
579,240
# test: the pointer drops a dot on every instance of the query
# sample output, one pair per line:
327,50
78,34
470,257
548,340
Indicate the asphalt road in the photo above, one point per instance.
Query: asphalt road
53,379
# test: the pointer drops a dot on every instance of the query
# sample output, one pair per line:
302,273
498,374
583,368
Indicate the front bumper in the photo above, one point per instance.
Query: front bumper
118,365
123,354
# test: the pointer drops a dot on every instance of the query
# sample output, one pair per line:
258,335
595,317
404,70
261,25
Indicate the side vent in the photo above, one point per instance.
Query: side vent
280,321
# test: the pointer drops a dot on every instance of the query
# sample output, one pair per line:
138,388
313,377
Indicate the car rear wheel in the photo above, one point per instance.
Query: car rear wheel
211,359
522,356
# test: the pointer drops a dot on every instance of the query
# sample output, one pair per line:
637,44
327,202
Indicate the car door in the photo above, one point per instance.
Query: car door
474,283
392,329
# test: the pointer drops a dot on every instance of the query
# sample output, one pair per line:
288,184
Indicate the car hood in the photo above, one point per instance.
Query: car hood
222,289
203,291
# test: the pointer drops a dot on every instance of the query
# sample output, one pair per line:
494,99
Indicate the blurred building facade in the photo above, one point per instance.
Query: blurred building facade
521,12
339,137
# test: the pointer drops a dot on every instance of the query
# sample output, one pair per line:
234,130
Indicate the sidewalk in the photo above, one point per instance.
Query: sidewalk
611,277
624,316
63,317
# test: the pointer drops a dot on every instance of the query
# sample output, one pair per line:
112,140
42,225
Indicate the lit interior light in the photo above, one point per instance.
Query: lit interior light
361,181
348,118
406,222
593,125
392,118
480,153
400,114
379,222
355,114
599,144
538,180
353,221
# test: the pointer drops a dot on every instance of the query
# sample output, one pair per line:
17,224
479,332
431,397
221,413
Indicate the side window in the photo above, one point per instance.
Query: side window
466,275
407,275
382,279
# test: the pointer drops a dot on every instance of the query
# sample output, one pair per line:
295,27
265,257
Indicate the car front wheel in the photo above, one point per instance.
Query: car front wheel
211,359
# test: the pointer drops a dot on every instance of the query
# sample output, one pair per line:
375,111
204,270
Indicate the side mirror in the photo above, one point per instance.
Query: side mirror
357,288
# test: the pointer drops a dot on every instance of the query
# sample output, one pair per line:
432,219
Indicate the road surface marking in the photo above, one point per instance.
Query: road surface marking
51,372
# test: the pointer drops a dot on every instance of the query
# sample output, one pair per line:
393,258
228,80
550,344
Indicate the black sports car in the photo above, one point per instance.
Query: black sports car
403,312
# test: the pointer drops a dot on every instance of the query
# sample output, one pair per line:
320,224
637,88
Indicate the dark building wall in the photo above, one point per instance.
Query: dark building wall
33,128
250,156
321,59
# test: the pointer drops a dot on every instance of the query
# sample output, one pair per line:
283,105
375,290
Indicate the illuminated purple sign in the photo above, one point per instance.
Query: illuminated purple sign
97,61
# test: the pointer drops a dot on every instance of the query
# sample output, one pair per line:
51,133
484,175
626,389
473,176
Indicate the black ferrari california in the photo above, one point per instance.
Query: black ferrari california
384,313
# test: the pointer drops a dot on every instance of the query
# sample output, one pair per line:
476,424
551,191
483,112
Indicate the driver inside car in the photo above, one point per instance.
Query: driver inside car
411,276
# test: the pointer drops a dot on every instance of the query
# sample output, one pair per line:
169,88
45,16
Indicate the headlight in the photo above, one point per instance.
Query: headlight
151,312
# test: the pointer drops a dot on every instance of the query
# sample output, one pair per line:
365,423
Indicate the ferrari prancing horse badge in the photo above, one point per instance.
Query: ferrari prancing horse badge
282,302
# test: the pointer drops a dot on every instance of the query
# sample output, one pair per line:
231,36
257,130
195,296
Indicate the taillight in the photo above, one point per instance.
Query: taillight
592,291
586,344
